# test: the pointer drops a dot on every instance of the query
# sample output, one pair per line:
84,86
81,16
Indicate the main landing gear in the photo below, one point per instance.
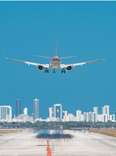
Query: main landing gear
46,70
63,71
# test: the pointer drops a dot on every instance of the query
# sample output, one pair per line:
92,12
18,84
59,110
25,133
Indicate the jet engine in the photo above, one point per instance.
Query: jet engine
69,67
40,67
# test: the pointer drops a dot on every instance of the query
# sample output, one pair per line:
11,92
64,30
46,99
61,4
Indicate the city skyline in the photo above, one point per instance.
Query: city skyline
57,112
30,109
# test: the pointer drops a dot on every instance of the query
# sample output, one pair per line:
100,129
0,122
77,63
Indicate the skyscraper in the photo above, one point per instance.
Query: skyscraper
106,112
65,116
58,111
35,108
106,109
79,115
25,111
95,110
86,116
51,113
5,113
18,107
95,113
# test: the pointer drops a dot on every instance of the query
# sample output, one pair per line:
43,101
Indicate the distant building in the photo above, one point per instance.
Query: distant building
106,113
106,109
5,113
65,116
58,112
51,113
55,112
18,107
35,109
23,118
113,118
71,117
86,116
95,109
79,115
95,113
100,118
25,111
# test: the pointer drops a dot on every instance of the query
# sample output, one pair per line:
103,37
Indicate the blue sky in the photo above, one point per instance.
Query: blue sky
86,30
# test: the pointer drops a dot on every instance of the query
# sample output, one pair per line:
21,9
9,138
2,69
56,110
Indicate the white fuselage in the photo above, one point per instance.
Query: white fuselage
55,62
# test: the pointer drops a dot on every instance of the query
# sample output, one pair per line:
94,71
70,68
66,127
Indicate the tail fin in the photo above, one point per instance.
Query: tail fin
56,49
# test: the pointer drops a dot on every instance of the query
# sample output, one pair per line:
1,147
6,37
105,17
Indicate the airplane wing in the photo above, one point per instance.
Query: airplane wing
70,66
38,65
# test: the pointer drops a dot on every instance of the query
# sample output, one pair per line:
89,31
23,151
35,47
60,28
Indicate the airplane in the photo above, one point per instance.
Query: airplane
55,64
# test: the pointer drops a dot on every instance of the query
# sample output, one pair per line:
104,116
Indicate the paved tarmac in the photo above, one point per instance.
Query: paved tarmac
83,144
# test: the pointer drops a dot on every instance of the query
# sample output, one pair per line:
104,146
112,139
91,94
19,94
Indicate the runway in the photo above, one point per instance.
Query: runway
83,144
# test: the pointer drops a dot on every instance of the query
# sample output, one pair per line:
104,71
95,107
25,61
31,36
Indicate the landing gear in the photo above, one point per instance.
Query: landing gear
53,71
63,71
46,70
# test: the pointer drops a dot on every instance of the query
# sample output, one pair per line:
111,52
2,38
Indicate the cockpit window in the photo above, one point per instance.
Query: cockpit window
55,59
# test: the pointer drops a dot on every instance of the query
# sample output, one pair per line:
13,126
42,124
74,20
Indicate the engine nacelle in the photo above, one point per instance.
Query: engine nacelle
40,67
69,68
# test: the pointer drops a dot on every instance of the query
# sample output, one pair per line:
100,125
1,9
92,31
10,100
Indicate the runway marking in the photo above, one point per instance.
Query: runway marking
49,150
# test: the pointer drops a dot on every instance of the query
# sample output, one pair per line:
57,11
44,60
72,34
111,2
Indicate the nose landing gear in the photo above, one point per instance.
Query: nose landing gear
53,71
63,71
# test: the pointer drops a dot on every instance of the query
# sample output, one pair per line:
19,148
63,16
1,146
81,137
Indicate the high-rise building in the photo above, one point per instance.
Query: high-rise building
88,116
57,114
58,111
79,115
100,118
106,113
106,109
35,108
71,117
18,107
65,116
95,113
5,113
95,110
113,118
25,111
92,117
51,113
